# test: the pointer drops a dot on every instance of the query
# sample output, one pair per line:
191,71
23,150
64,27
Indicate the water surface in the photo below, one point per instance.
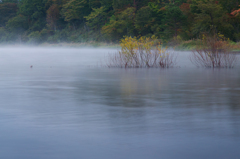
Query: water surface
67,106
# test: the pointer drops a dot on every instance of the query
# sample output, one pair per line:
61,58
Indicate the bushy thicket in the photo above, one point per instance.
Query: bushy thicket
37,21
141,53
214,53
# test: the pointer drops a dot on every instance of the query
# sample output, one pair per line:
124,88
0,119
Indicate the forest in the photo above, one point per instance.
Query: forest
77,21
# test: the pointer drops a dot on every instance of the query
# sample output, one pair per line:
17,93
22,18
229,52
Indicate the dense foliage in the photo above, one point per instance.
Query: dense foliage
37,21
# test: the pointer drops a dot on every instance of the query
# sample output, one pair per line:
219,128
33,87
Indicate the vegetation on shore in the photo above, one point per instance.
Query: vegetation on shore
80,45
191,45
108,21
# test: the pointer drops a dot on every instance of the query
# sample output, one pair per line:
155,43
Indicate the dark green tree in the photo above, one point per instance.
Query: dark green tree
7,11
229,5
35,11
9,1
16,27
106,3
96,19
158,8
17,24
144,20
120,5
76,10
173,21
53,15
210,17
187,26
120,25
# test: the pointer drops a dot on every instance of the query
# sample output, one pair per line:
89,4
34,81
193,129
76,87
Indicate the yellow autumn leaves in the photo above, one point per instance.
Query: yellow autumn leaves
141,52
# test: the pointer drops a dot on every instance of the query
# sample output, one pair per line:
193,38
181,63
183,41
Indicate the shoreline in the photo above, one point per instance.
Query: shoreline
183,46
67,45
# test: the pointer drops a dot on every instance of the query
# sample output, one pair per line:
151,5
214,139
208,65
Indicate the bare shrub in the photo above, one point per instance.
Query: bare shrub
215,53
139,53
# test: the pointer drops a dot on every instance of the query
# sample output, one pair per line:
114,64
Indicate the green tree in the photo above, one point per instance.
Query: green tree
55,19
7,11
76,10
229,5
94,3
3,34
9,1
96,19
120,5
173,21
158,9
52,16
17,24
144,20
16,27
121,24
37,36
106,3
35,11
211,17
187,27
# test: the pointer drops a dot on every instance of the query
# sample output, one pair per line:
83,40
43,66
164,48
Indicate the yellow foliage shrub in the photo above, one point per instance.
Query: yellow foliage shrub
142,52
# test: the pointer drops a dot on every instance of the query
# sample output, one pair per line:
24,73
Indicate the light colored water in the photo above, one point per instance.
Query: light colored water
68,107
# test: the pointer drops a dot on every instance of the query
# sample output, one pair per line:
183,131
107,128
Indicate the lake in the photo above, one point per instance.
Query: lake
69,106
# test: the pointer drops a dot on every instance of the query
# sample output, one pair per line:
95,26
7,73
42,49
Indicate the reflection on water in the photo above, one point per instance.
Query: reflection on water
200,100
62,108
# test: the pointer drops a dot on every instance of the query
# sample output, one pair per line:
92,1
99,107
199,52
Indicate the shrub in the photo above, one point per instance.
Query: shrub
214,53
3,34
34,37
142,52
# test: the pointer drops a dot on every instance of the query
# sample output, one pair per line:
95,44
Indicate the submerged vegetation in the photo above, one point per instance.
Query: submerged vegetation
215,52
142,52
145,52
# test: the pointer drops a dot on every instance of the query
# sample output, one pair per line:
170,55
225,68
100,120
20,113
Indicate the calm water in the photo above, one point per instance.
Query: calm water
67,106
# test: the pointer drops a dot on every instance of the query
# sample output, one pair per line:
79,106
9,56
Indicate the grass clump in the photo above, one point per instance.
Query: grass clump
140,53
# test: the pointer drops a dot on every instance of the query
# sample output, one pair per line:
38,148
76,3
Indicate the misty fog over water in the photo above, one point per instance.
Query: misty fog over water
69,106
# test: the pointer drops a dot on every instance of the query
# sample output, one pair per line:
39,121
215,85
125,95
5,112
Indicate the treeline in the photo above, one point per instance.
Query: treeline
37,21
